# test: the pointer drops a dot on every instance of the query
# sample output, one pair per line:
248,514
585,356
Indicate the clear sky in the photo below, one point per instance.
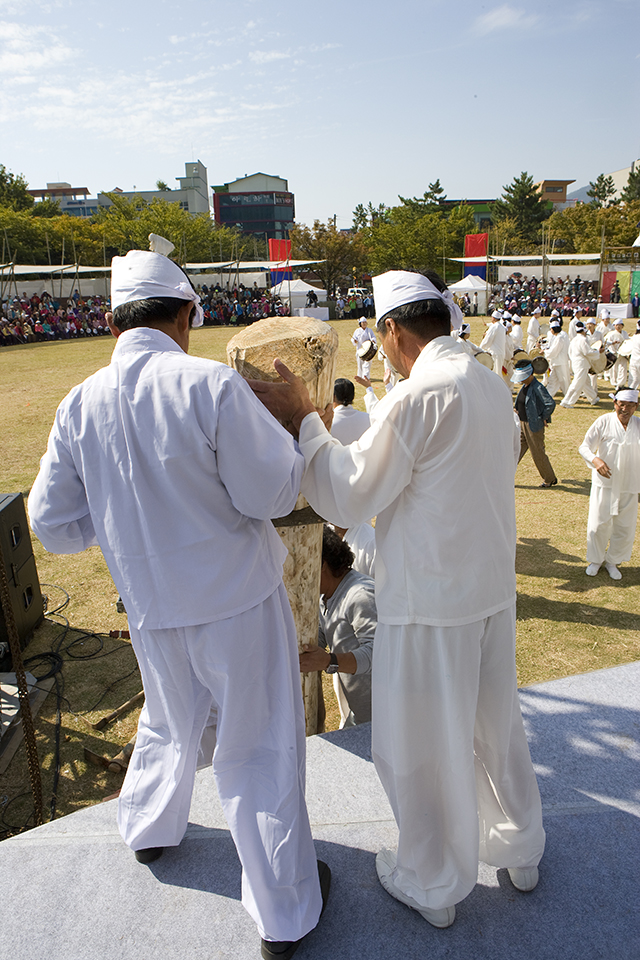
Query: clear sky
350,102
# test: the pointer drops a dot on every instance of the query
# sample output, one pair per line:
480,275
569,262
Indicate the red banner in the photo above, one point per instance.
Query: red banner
475,244
608,280
279,249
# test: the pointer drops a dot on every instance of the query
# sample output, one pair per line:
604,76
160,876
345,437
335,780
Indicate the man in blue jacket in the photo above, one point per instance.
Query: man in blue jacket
534,406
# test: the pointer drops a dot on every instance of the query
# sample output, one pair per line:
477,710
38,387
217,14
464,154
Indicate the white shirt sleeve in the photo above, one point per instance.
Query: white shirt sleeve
58,508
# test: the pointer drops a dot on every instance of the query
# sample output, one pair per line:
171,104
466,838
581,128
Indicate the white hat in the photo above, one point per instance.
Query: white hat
497,314
399,287
144,275
537,310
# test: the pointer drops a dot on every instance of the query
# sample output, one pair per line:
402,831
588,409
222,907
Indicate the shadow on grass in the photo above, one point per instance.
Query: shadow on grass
541,608
537,557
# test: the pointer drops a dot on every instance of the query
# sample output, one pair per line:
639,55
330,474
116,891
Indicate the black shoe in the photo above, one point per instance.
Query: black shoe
547,485
149,854
284,949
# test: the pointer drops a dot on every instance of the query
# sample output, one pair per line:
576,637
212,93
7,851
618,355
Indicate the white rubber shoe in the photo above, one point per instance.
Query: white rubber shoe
592,569
385,865
524,878
613,571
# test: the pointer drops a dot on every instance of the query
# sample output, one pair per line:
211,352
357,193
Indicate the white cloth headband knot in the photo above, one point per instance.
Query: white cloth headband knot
625,396
399,287
144,275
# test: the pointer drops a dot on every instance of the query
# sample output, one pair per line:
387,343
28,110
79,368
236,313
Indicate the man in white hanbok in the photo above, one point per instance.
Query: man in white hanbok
363,335
611,448
437,467
495,342
154,458
581,353
634,360
556,351
533,330
613,341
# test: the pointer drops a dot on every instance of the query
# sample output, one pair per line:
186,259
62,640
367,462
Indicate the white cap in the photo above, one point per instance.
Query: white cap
143,275
399,287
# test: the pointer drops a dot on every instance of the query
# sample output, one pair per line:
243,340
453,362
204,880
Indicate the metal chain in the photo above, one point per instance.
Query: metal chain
23,692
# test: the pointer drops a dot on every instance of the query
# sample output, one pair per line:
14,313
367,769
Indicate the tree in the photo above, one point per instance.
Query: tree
339,252
13,191
632,190
522,203
602,191
163,185
370,215
46,208
431,198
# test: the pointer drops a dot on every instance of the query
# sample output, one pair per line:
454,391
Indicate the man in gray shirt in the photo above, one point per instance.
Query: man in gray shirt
348,621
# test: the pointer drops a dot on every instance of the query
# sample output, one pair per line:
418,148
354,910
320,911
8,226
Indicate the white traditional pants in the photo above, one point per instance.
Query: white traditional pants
498,362
247,668
580,384
602,529
450,749
559,378
364,367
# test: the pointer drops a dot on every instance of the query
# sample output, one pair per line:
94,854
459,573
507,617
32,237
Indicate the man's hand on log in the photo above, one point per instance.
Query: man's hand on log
313,659
289,402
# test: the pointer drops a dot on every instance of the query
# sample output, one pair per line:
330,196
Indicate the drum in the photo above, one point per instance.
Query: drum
625,348
485,359
367,351
520,355
540,365
600,364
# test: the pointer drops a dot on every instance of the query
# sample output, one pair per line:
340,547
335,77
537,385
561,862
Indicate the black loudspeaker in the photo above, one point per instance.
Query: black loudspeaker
21,573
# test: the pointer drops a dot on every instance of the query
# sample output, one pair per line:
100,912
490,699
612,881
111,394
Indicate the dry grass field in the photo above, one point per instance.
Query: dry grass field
567,623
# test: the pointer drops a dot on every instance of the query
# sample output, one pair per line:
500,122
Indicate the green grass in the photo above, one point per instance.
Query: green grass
567,623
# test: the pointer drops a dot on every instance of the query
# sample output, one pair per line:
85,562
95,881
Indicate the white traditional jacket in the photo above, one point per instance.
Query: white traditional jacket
172,466
437,468
607,439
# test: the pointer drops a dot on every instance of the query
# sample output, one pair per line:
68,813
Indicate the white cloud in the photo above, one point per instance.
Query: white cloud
504,18
26,49
266,56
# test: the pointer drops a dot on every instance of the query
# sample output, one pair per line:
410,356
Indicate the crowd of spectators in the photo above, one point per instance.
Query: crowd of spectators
239,306
524,294
44,317
25,319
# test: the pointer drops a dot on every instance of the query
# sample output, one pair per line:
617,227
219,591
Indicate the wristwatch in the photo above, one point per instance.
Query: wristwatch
333,664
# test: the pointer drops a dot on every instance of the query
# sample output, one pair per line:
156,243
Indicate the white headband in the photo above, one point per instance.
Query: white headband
627,396
143,275
399,287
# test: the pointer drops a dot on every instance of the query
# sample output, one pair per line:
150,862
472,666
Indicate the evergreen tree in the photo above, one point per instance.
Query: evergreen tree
522,203
13,191
632,190
427,203
602,191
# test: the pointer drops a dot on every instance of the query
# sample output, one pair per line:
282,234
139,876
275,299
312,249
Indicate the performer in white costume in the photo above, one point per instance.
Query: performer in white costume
154,459
611,448
448,738
361,336
556,351
613,341
533,330
495,342
581,354
634,360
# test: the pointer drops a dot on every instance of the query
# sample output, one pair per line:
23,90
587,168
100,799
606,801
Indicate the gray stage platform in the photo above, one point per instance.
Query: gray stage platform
72,891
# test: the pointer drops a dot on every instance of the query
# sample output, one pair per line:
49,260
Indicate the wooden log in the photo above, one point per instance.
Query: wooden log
309,347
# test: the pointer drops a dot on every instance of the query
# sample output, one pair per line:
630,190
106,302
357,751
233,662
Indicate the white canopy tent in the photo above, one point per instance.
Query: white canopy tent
295,291
471,285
